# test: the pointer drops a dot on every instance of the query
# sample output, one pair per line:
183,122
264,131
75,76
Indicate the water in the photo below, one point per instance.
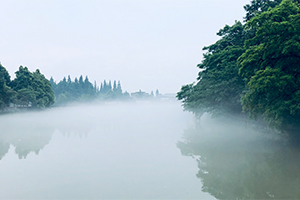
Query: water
241,160
107,151
142,151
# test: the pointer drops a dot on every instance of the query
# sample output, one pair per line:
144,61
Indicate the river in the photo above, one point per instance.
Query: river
105,151
141,150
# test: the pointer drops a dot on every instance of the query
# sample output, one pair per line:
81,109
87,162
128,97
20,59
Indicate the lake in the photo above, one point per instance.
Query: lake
142,150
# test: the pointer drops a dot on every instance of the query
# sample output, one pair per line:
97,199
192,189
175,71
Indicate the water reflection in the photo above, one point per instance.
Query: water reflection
126,151
31,132
25,135
237,162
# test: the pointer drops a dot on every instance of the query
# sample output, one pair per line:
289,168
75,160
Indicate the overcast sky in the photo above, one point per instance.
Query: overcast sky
146,44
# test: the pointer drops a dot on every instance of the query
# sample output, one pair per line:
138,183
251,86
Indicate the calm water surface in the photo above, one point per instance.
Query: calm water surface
142,151
109,151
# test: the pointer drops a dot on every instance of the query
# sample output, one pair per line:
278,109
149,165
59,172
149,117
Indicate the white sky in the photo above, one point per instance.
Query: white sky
146,44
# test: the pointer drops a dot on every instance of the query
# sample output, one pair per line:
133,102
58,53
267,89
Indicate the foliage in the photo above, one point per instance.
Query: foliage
219,85
83,90
258,6
77,90
256,65
26,90
32,89
6,92
271,66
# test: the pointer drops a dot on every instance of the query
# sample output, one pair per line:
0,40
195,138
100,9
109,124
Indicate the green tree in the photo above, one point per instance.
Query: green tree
271,66
44,93
53,83
6,93
109,86
88,87
219,85
33,89
26,96
115,86
258,6
119,89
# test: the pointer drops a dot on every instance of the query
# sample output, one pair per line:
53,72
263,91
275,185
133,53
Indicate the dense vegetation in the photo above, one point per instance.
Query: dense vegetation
26,90
33,90
80,90
254,68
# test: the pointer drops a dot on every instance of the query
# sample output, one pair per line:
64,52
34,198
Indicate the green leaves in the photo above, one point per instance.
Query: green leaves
258,6
271,66
6,92
256,65
31,89
219,85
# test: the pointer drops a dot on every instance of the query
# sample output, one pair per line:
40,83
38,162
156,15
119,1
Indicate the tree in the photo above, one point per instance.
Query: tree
96,88
43,89
258,6
109,86
119,89
157,93
105,87
26,95
101,89
69,80
271,66
33,89
115,86
53,83
88,87
79,90
6,93
219,85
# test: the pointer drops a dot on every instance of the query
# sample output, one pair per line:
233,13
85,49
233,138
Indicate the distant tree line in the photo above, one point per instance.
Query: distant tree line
33,90
28,89
67,90
253,68
81,90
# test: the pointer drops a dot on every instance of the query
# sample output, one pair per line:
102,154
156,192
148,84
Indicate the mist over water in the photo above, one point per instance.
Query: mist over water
238,159
105,151
142,150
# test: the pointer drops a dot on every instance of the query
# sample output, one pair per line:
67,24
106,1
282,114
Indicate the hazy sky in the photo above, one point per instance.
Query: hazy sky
146,44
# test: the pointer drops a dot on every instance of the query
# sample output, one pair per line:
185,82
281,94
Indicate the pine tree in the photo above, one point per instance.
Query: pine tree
115,86
157,93
119,88
109,86
101,89
104,87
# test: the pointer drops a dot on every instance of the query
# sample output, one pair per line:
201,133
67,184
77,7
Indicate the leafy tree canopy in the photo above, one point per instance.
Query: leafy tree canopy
271,66
33,89
6,92
258,6
219,85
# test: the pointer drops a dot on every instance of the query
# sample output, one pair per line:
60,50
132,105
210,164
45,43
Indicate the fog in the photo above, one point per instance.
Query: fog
241,159
142,150
105,151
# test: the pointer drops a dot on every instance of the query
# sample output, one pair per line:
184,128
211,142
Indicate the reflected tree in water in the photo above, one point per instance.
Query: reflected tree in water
32,141
236,162
34,132
26,138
